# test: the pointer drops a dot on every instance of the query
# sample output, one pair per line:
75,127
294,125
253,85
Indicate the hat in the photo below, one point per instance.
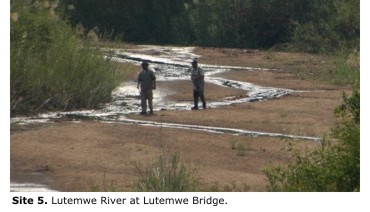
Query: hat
194,61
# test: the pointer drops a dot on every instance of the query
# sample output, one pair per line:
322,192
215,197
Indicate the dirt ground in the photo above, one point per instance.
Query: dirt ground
70,156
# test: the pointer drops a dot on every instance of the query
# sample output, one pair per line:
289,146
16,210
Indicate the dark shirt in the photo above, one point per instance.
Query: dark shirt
146,79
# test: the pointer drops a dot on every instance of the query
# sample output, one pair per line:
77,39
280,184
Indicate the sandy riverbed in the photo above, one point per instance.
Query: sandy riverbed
69,156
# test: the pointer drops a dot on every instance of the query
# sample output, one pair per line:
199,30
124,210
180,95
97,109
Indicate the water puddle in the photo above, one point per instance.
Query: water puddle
29,187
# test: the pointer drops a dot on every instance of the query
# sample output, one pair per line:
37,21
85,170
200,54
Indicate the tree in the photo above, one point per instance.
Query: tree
308,25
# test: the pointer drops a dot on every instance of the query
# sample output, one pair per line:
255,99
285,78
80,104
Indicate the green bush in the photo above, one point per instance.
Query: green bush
333,167
329,26
51,69
304,25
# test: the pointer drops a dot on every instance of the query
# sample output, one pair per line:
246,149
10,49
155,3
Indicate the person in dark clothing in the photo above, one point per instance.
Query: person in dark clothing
197,78
146,83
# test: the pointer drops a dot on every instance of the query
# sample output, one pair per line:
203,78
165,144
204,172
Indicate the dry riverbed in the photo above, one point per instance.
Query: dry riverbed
70,156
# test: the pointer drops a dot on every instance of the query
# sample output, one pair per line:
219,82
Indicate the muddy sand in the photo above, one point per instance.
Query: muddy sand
83,155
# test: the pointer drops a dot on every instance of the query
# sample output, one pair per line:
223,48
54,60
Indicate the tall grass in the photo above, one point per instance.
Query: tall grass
346,70
51,68
166,176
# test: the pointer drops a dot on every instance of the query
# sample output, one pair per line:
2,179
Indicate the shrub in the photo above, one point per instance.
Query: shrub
333,167
329,26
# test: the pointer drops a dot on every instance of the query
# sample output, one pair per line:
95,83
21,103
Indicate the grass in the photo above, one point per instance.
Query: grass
51,68
231,187
169,175
346,71
239,147
166,176
233,144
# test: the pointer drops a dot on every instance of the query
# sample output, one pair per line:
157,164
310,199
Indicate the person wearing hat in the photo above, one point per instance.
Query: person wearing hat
146,83
197,78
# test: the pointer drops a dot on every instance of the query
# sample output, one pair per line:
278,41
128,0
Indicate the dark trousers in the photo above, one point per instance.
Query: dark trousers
146,95
196,95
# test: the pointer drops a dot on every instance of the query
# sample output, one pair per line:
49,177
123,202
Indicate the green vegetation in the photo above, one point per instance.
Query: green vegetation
233,144
305,25
51,68
232,187
239,147
346,70
54,67
166,175
336,165
172,176
328,26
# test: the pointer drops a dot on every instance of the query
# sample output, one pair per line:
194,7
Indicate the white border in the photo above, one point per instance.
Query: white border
263,201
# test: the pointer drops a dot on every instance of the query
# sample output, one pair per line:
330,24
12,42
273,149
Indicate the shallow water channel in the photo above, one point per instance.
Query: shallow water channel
169,64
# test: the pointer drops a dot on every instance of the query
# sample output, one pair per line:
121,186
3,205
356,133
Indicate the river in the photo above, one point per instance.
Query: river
169,64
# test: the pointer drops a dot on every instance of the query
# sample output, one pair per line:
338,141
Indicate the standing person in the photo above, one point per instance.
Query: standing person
197,78
146,81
